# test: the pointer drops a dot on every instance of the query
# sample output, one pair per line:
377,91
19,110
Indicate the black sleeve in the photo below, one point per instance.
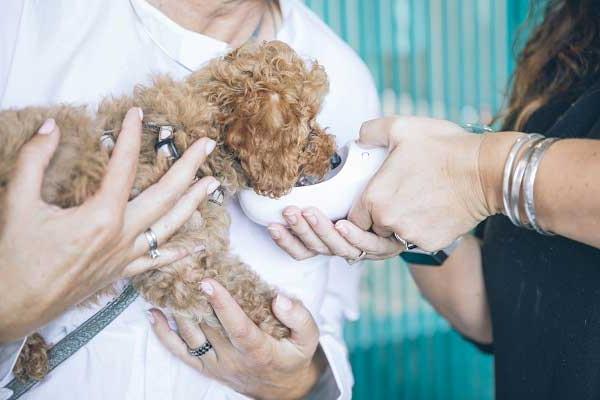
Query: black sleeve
484,348
479,230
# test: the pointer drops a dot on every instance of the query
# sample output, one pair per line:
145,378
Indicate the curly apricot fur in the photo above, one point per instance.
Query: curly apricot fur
259,103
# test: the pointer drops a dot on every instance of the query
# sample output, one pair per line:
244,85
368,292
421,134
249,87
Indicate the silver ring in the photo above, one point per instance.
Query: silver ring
200,350
407,245
152,243
362,255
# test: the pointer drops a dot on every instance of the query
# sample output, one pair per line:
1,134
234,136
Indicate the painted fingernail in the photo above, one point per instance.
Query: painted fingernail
141,113
47,127
150,317
310,217
283,303
207,288
291,218
341,229
212,186
199,249
275,234
210,146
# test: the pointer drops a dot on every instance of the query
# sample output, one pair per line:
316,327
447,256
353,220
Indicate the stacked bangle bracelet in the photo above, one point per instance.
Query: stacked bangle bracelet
520,171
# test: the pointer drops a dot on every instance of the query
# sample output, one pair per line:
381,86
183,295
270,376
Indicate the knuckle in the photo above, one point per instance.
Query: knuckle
107,223
240,332
305,320
382,216
27,155
317,249
369,198
261,356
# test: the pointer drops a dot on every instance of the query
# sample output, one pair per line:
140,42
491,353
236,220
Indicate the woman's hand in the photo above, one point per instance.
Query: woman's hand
430,190
248,360
311,233
52,258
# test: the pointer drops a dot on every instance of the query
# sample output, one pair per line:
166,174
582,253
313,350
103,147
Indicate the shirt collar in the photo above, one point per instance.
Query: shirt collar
187,47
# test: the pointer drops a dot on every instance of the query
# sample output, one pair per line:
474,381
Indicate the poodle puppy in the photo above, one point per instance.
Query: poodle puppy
259,103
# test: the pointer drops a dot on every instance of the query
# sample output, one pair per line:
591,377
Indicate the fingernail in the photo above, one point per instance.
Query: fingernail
341,229
274,232
210,146
150,317
199,249
283,303
47,127
212,186
207,288
141,113
310,217
291,218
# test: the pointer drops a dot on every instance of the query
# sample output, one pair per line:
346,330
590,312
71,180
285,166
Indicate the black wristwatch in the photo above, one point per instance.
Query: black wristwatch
417,256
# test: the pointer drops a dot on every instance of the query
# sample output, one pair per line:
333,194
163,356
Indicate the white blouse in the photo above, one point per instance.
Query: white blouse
78,51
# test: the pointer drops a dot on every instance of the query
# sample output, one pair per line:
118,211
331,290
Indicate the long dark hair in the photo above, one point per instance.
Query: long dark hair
561,52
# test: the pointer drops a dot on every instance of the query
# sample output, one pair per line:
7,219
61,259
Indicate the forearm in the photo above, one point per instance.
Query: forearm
567,190
457,291
567,187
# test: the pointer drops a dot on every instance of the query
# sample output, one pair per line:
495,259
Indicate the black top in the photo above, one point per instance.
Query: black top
544,292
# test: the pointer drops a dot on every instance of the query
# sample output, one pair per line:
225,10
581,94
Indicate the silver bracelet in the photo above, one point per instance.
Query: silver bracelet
508,169
516,180
529,182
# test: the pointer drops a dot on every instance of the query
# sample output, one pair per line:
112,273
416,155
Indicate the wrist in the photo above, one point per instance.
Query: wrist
493,151
311,375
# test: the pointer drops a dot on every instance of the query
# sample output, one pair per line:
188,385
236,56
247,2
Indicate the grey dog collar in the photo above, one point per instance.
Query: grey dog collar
78,338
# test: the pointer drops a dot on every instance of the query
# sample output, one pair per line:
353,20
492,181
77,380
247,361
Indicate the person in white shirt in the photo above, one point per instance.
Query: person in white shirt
76,52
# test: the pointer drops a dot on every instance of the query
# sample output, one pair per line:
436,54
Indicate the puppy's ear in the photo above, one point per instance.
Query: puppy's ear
315,88
268,146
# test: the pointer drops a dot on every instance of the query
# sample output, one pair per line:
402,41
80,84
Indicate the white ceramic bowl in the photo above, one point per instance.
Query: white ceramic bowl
334,196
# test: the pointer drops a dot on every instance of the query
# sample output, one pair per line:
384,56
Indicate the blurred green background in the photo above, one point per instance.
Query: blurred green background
450,59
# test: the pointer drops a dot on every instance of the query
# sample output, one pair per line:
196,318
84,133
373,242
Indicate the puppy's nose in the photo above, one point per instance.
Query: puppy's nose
335,160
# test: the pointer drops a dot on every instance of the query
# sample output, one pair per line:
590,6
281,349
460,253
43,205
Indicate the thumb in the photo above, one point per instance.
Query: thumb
293,314
360,215
32,161
377,132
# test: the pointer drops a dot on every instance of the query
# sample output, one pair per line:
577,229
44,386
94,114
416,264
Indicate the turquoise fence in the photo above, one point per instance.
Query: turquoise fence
444,58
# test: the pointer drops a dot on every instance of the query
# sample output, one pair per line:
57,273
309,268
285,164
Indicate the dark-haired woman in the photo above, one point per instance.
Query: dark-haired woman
532,294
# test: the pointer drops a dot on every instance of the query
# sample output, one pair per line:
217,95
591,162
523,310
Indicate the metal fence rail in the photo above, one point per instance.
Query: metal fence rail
449,59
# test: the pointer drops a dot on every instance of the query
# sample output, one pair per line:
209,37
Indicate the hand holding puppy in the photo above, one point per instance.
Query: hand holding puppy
52,258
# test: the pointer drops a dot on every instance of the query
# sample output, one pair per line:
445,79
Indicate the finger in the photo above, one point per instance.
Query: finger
216,337
303,231
171,340
382,231
242,332
369,242
120,172
376,132
190,332
169,224
193,335
325,230
159,198
360,214
293,314
289,243
32,161
167,256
